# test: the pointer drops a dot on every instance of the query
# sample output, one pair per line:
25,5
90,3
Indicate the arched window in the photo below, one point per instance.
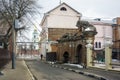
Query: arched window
63,9
0,43
99,44
96,45
34,36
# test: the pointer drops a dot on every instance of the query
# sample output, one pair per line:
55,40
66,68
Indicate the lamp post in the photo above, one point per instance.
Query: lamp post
15,24
108,52
13,49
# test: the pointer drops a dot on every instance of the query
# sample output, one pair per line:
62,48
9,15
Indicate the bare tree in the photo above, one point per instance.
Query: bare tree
17,9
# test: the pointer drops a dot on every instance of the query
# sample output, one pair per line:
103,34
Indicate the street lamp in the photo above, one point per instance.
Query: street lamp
13,34
15,26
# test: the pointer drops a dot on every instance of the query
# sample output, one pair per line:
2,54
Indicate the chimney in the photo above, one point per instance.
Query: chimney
97,19
118,20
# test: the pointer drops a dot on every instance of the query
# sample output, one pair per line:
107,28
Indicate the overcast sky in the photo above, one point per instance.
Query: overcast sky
105,9
89,8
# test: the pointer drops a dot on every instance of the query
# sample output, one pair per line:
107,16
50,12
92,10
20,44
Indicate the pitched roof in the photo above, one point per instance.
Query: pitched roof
66,5
46,14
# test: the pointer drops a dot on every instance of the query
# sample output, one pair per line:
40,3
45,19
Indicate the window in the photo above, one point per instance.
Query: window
34,47
63,9
96,45
0,43
99,44
34,36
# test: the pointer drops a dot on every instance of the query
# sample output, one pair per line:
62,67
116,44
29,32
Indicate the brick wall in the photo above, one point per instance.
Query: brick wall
55,33
4,57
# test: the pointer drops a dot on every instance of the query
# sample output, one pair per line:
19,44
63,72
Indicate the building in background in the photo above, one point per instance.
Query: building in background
29,49
116,38
104,29
35,40
55,23
6,45
59,24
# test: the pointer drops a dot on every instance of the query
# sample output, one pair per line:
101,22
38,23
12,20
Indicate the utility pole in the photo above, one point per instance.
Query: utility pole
13,34
60,1
13,49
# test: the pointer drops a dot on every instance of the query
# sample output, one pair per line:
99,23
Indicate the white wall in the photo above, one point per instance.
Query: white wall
103,31
63,19
45,47
56,21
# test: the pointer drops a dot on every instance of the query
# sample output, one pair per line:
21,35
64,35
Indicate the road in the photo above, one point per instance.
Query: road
43,71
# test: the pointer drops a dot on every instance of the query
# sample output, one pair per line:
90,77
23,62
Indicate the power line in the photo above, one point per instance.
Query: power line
32,23
34,18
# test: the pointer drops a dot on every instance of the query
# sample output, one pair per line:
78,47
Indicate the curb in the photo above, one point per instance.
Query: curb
31,75
81,72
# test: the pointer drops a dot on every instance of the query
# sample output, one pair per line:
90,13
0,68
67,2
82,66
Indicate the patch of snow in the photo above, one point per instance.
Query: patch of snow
74,65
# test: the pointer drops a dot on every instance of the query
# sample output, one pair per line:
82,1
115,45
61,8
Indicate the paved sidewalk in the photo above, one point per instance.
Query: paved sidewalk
91,72
21,72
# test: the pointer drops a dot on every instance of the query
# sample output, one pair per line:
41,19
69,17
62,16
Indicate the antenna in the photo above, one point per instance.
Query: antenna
60,1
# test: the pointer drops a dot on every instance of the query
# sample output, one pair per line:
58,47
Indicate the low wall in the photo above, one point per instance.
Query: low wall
4,57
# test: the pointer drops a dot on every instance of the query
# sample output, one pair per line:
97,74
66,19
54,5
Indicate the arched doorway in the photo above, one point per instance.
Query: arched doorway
66,57
79,54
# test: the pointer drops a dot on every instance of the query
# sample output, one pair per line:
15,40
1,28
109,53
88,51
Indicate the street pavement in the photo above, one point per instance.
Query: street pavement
43,71
21,72
98,73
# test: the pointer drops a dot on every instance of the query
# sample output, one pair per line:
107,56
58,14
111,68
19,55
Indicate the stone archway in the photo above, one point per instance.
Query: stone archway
66,57
79,54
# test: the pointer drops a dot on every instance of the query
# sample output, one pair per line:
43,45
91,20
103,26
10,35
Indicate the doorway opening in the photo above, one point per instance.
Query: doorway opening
79,54
66,57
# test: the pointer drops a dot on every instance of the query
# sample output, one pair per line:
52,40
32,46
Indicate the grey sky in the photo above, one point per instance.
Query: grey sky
105,9
88,8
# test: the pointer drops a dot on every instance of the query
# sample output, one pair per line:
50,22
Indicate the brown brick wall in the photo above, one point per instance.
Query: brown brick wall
54,48
117,30
72,51
116,34
118,20
56,33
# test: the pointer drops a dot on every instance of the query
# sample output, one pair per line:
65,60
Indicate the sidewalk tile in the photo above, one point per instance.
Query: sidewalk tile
21,72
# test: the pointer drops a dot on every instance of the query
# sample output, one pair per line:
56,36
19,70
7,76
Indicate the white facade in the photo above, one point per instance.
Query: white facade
58,18
63,16
35,40
104,30
68,18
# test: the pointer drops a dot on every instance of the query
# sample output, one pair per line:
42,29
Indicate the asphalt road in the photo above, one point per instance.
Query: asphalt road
43,71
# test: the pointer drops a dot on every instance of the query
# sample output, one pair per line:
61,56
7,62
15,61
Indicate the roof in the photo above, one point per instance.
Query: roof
99,21
46,14
66,5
